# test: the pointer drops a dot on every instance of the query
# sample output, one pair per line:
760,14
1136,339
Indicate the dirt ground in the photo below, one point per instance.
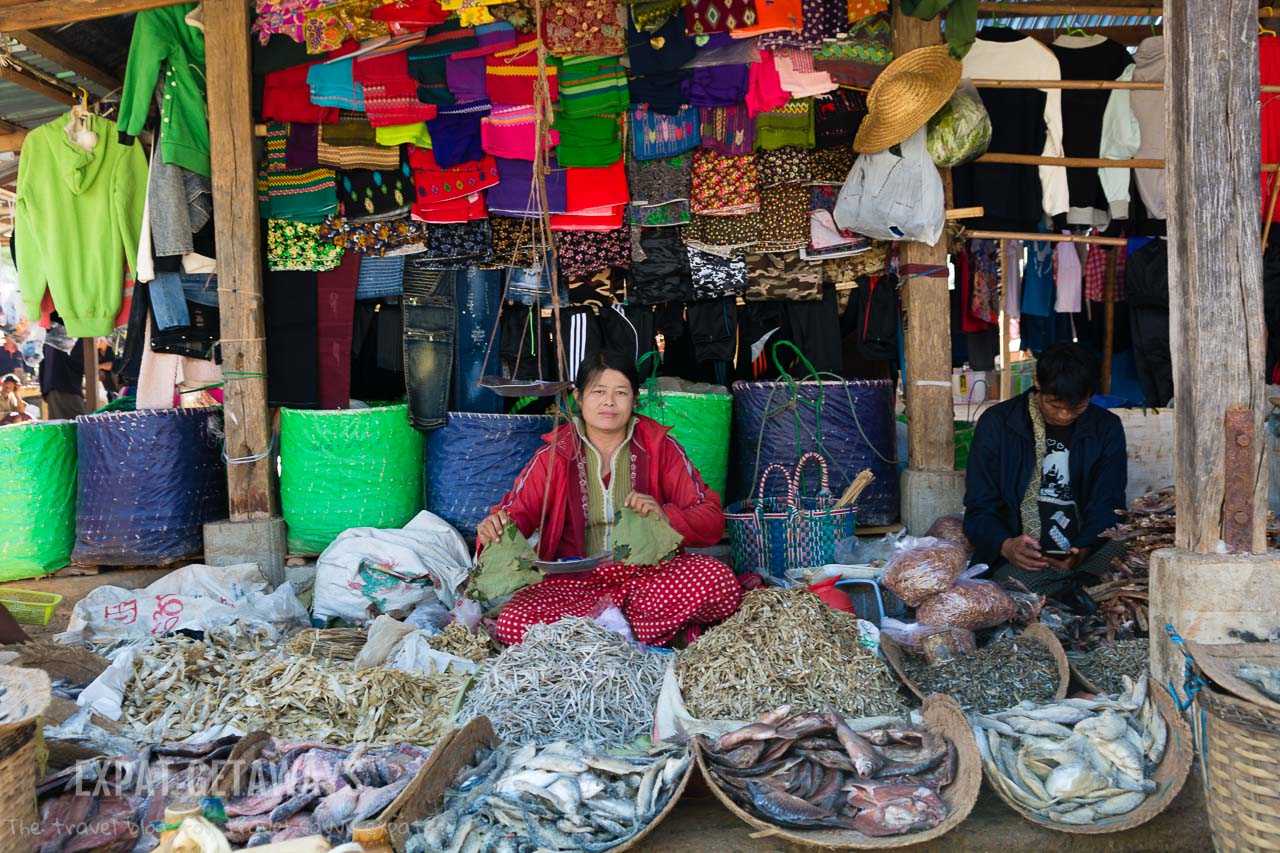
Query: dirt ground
699,824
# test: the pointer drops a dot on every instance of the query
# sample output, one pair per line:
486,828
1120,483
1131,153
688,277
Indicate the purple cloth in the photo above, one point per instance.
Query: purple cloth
465,78
717,85
512,195
728,130
455,139
301,146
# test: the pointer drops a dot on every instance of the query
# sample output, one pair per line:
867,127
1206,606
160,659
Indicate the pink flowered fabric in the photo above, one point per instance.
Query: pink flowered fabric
284,17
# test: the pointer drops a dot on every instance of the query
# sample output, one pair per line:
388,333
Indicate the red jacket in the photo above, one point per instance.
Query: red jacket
659,467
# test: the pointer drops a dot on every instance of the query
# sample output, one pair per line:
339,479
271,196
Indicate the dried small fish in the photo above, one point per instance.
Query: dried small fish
1105,664
459,641
571,680
1002,673
328,643
785,646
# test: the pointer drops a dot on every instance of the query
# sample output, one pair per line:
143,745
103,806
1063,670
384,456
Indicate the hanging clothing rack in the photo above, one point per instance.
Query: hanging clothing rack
1035,9
1037,237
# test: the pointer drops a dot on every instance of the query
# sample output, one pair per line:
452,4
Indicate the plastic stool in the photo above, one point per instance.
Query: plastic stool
866,597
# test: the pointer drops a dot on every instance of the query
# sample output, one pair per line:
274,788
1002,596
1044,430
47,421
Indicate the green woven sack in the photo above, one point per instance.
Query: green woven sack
38,500
699,420
347,468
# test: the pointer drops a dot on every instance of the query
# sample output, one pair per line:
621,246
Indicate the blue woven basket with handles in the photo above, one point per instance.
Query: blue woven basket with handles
771,535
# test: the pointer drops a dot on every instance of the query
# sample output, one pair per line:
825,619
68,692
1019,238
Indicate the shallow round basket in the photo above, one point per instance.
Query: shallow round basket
1240,743
1081,680
456,750
1169,777
1036,633
943,717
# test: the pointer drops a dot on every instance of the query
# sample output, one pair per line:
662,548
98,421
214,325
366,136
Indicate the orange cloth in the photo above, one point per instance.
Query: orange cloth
773,16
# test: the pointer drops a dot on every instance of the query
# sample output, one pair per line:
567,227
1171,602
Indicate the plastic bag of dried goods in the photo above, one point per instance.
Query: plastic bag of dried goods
971,604
950,528
923,567
911,635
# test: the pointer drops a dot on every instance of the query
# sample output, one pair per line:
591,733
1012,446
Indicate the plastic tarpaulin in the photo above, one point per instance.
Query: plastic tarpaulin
474,459
699,419
38,501
149,481
849,422
347,468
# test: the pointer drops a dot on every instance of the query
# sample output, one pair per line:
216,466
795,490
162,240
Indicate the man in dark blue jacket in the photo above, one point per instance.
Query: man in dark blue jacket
1047,471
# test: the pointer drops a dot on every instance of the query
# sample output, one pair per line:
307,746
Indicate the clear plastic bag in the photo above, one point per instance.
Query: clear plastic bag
971,604
950,528
911,635
920,568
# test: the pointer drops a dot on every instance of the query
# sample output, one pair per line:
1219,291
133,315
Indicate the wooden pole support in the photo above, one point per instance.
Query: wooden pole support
251,469
1109,318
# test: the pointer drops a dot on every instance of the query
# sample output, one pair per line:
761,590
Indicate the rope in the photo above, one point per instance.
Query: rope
249,460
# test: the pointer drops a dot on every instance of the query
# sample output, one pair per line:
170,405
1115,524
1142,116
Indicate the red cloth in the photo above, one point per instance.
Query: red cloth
433,186
469,208
390,94
659,467
1095,274
286,97
336,291
510,74
410,16
658,601
591,189
1269,75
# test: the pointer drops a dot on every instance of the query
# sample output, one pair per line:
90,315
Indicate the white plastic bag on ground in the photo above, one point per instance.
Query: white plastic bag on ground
195,597
426,561
398,645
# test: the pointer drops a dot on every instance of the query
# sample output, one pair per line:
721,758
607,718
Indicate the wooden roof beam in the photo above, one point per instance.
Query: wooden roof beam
33,14
68,60
16,72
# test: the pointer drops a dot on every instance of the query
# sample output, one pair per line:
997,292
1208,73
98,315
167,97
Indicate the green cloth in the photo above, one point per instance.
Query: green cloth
162,38
591,85
588,140
604,503
962,20
505,565
644,540
789,124
78,222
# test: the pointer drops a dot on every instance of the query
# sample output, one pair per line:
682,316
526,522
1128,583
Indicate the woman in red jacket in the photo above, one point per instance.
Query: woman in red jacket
603,460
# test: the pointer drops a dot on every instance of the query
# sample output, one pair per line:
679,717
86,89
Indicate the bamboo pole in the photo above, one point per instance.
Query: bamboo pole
1088,162
1036,237
1137,85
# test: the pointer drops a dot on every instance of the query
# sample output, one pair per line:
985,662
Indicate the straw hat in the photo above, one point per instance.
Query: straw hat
905,96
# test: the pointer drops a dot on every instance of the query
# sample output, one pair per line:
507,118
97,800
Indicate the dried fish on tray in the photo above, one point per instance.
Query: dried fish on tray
999,674
817,778
280,790
785,647
571,680
560,796
328,643
1102,668
236,676
1087,765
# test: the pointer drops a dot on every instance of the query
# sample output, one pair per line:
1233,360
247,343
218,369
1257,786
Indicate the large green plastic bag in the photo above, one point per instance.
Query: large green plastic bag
347,468
700,417
38,498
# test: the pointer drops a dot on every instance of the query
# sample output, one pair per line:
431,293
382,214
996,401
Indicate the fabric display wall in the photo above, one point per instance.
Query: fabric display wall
693,155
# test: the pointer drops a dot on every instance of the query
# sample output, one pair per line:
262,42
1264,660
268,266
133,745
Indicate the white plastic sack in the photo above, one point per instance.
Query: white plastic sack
426,561
894,196
195,597
398,645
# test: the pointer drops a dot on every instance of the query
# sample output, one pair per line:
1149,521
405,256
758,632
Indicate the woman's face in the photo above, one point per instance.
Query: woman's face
607,402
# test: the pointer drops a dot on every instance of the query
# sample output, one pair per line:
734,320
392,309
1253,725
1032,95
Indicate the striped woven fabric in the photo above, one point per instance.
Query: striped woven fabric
277,140
592,85
304,195
357,156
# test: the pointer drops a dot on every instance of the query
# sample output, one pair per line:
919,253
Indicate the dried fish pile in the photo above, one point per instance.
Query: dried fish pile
556,797
572,680
328,643
236,676
1077,760
1146,526
458,641
1106,665
1002,673
1266,678
296,790
813,770
785,647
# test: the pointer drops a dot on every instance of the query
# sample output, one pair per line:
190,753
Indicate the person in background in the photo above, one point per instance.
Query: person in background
107,369
62,382
1047,471
12,409
571,493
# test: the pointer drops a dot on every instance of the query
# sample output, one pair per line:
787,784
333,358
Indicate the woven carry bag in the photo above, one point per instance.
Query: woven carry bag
769,536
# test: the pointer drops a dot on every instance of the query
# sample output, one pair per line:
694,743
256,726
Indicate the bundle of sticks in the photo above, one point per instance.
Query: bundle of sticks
1122,597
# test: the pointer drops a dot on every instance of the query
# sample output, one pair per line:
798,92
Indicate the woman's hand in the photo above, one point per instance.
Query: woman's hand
491,528
645,504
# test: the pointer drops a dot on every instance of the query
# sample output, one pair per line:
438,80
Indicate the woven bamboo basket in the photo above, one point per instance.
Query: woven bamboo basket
457,750
1037,633
26,695
943,717
1239,743
1169,777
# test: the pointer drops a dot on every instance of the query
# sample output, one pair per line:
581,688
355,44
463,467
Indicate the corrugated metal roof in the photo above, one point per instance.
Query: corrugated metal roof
30,109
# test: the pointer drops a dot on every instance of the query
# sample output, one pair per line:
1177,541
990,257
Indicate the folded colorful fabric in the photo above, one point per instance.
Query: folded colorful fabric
588,140
511,74
724,186
332,85
789,124
592,85
575,28
368,194
728,130
514,194
656,134
373,238
298,246
511,132
434,183
586,252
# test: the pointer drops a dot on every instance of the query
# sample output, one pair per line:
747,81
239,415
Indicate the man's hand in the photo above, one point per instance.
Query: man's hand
490,530
645,504
1074,558
1024,552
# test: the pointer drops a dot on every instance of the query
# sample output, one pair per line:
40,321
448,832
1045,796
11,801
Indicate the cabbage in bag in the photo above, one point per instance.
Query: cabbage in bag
961,130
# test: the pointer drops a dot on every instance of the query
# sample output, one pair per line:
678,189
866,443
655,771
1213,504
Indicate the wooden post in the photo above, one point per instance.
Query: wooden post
927,304
1216,330
1109,318
250,485
91,401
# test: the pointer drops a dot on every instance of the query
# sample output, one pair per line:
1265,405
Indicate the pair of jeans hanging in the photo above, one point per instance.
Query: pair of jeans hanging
479,297
429,330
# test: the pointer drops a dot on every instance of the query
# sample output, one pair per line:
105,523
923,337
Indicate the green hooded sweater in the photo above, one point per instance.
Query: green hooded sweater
77,224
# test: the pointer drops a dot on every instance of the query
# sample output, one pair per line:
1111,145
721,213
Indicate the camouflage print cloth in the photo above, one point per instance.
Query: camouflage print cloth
783,277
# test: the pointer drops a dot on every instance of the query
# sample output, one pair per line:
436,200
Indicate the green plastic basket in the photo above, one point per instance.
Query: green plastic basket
28,606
